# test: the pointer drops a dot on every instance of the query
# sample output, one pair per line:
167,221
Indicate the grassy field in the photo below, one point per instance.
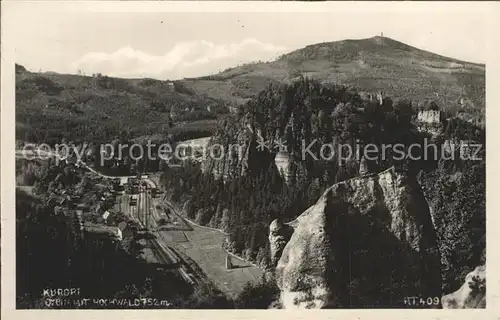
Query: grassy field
204,246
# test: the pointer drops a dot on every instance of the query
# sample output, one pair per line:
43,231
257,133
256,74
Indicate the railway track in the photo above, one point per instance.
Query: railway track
168,257
165,254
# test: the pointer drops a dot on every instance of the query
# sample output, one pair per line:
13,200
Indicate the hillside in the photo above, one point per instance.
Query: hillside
371,65
51,106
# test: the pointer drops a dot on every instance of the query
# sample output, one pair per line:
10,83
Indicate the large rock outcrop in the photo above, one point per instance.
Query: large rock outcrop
472,294
367,242
241,152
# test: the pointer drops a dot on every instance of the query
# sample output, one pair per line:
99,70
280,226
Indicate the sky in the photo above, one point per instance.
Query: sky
173,45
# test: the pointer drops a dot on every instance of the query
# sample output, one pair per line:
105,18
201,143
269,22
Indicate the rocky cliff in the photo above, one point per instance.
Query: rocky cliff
234,149
279,235
367,242
472,294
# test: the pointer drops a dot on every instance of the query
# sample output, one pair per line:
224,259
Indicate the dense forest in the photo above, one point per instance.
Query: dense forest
98,108
244,204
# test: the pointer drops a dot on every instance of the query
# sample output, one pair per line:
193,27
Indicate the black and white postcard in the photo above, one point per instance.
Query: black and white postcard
246,155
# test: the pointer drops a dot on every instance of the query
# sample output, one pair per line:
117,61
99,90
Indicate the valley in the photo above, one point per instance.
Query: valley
268,226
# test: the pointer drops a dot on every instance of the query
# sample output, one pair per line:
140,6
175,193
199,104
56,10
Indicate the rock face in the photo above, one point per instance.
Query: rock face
233,161
367,242
240,155
472,294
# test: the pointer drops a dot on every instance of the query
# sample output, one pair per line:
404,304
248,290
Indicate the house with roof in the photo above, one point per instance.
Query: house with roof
102,232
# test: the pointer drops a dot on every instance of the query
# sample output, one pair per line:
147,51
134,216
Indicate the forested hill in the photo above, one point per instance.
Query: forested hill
371,65
246,194
51,106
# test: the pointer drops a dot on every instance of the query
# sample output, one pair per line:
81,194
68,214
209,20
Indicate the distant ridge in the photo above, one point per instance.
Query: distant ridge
373,44
373,64
51,102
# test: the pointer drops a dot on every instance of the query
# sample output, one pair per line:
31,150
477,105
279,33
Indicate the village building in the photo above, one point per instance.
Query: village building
430,121
106,215
380,98
171,86
101,232
123,181
429,116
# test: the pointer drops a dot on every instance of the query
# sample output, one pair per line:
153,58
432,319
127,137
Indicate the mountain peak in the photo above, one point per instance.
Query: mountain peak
348,49
378,63
381,40
375,47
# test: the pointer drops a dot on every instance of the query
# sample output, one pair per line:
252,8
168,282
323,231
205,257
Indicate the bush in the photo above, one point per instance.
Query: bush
207,296
258,296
